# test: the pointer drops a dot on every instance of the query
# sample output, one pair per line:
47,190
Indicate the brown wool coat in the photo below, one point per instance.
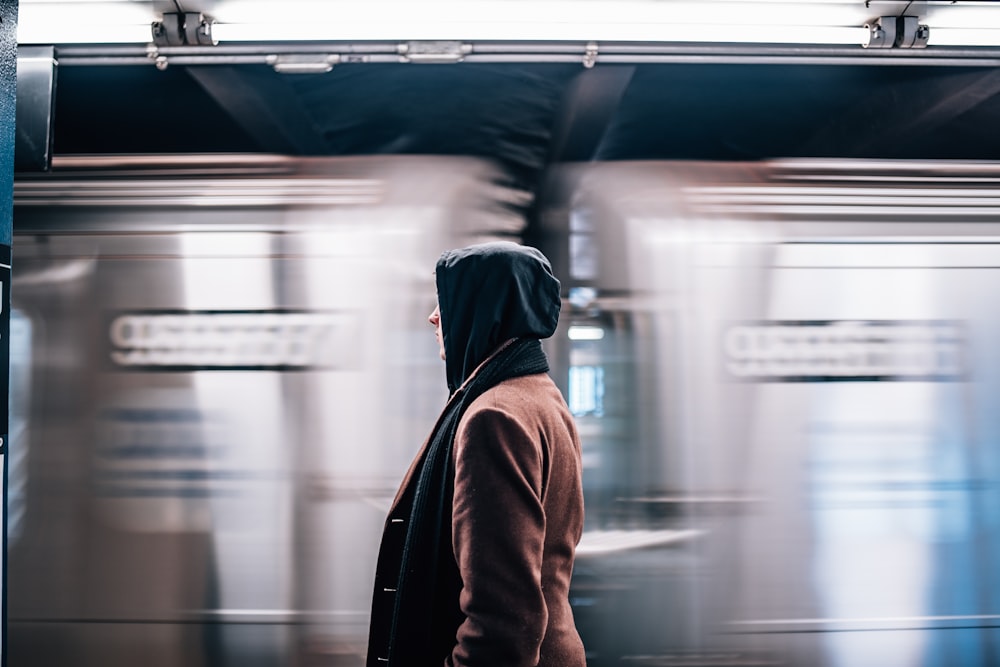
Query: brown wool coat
517,516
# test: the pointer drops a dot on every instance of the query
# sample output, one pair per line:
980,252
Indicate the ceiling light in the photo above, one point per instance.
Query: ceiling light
819,22
582,32
83,23
110,21
964,37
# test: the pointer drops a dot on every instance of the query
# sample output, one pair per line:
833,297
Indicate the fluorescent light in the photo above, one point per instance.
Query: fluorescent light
27,33
545,12
65,22
964,37
579,332
84,23
551,20
819,22
566,31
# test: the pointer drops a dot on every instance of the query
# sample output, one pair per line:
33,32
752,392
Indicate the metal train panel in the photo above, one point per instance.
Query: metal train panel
809,396
224,383
783,375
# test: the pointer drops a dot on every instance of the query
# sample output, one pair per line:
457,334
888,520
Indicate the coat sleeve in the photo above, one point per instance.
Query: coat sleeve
498,532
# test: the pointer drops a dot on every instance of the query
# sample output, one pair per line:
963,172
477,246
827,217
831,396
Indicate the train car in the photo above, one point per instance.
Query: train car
786,374
783,375
222,368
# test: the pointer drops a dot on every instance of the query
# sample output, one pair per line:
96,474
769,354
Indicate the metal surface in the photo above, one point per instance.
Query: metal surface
811,342
788,407
36,89
623,53
225,388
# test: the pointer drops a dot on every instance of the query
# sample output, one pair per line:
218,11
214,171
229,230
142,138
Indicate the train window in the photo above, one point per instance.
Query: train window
582,245
17,408
586,391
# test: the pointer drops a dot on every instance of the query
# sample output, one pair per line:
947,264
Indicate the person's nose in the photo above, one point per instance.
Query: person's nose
434,317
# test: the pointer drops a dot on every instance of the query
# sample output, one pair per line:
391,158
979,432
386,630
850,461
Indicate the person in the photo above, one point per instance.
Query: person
477,551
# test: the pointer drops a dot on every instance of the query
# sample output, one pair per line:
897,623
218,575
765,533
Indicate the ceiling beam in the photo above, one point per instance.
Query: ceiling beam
906,111
264,105
585,112
587,108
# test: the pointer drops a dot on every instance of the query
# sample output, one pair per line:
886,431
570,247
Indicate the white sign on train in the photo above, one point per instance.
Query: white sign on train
838,350
225,340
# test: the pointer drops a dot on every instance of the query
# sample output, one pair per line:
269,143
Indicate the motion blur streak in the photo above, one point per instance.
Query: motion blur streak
799,367
783,374
228,377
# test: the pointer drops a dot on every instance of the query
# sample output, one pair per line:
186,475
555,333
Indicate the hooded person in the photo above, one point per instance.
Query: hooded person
477,551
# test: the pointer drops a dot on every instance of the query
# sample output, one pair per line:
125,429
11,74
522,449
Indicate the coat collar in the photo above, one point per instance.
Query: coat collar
418,459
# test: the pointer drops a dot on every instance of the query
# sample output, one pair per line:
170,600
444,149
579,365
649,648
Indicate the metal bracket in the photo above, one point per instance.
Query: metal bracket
881,33
590,55
910,34
303,63
904,32
158,58
433,52
183,29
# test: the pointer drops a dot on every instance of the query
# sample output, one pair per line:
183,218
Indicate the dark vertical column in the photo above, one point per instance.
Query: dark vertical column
8,92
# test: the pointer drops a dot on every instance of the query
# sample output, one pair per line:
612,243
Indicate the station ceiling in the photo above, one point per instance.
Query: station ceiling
529,106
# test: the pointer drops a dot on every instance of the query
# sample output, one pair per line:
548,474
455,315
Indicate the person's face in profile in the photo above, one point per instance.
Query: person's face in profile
435,320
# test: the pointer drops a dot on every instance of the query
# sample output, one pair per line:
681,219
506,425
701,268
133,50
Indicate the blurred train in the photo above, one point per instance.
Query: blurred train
784,375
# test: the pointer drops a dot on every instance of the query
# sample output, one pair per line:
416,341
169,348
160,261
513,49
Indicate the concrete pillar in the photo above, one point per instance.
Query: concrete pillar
8,90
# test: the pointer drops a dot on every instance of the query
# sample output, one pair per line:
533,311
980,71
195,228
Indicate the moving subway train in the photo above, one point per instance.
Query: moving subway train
783,374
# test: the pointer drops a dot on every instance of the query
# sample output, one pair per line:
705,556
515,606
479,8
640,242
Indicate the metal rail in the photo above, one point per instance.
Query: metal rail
587,54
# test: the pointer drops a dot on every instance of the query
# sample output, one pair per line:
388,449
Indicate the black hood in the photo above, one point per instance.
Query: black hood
488,294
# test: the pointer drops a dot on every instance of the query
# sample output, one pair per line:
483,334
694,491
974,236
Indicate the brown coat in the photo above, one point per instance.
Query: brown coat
517,516
516,519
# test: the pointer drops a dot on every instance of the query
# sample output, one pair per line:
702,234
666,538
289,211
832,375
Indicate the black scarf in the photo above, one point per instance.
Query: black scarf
426,612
